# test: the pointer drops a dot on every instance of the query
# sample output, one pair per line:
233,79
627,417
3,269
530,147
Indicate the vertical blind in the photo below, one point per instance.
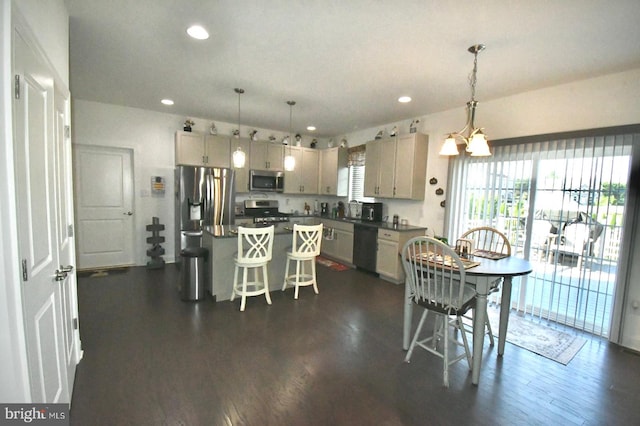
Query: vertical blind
561,203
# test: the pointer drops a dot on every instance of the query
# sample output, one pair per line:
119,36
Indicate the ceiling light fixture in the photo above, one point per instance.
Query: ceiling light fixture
404,99
198,32
289,160
475,140
311,128
167,102
238,156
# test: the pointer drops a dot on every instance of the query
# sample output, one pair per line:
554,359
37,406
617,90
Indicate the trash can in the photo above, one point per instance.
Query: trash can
193,279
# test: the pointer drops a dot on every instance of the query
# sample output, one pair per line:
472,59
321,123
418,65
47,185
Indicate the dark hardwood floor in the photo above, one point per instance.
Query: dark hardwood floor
330,359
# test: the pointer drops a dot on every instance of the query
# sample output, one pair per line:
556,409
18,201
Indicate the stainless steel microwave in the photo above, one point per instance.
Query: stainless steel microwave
266,181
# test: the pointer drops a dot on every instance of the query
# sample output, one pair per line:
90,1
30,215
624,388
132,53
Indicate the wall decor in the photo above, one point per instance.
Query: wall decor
439,191
442,203
433,181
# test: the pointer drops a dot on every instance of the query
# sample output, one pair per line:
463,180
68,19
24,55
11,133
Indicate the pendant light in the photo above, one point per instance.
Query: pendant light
475,140
239,156
289,160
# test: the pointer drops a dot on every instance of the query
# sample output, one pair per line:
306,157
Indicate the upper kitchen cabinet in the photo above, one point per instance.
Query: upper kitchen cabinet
334,172
197,149
396,167
380,168
266,156
242,174
304,178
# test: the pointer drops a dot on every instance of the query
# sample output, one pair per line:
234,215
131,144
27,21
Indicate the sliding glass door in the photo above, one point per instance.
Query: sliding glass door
562,205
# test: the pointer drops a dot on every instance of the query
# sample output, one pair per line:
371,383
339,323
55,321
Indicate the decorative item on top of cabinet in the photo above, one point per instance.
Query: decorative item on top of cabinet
396,167
253,135
188,123
213,130
198,149
413,127
314,142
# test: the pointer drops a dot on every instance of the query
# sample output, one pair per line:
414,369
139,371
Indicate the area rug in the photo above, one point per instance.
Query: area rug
335,266
543,340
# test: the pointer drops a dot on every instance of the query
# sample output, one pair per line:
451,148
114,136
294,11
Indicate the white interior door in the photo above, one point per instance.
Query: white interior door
104,206
65,239
34,141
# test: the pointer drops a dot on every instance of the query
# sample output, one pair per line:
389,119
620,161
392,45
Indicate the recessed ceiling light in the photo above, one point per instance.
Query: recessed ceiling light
311,128
404,99
167,102
197,32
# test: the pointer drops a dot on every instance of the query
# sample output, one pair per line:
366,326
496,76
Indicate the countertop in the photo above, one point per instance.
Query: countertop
231,231
380,225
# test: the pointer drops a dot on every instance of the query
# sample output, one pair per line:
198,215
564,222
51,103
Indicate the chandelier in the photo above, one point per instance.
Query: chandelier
238,157
474,139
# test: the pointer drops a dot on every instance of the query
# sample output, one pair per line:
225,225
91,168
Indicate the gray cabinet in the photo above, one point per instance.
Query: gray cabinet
396,167
266,156
197,149
337,242
390,243
304,178
334,172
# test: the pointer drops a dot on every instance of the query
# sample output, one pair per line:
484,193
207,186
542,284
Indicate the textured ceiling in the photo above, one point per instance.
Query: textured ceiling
344,62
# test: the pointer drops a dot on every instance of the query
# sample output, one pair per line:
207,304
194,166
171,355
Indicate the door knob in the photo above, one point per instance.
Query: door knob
66,269
128,213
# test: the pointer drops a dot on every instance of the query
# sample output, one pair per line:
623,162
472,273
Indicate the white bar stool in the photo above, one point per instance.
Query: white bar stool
255,247
306,246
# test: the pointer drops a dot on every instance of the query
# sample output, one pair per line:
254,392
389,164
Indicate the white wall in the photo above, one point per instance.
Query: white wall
600,102
151,136
605,101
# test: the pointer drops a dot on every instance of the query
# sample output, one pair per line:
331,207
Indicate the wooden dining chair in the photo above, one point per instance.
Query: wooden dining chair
435,277
489,242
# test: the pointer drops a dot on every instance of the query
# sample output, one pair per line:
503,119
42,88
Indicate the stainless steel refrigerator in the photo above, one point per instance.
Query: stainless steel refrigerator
205,196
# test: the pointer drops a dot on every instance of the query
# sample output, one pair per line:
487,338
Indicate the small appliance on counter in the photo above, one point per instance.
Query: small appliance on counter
264,212
355,210
372,212
324,209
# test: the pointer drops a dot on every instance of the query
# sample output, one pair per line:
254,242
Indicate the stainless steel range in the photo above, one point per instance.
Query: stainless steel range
264,211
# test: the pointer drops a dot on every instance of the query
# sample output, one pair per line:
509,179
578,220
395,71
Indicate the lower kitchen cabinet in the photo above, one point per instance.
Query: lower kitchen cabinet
390,243
337,242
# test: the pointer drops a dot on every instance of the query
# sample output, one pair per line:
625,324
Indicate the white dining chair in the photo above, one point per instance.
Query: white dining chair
435,277
255,247
306,243
488,241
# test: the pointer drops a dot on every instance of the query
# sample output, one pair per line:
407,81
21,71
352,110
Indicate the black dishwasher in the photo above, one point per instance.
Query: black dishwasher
365,247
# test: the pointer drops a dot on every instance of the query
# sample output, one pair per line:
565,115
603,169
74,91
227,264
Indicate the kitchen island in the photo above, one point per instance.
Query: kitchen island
222,243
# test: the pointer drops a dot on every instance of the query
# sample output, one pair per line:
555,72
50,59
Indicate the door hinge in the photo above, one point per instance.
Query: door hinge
16,88
67,132
25,276
75,323
70,231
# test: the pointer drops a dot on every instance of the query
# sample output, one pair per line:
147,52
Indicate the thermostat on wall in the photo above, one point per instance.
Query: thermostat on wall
157,186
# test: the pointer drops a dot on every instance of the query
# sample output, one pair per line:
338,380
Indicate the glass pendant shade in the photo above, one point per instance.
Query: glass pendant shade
449,147
289,163
478,146
239,158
